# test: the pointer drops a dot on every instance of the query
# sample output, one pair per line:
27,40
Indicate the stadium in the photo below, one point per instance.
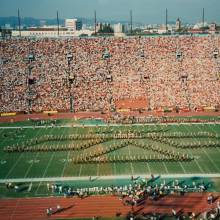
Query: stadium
113,128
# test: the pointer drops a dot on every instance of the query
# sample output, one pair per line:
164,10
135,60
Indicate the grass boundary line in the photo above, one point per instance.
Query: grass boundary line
76,178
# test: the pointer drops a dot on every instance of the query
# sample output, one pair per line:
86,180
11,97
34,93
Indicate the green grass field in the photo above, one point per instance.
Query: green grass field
60,163
201,142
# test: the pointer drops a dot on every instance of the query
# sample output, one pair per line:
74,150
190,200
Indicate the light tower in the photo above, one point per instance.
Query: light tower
58,24
95,21
203,17
69,58
166,22
19,23
131,22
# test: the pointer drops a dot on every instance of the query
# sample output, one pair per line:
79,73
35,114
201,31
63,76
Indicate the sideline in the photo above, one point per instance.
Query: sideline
109,125
76,178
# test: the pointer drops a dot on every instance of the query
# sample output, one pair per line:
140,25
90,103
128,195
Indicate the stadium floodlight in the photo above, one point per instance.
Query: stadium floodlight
184,76
179,55
216,53
71,78
3,60
106,54
69,57
146,77
109,78
31,80
31,57
142,54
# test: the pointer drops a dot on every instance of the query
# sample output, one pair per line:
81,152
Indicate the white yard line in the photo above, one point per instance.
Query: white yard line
217,148
80,170
212,129
81,166
15,164
76,178
64,167
48,164
132,168
165,167
98,165
114,165
213,163
210,159
199,166
182,167
147,163
45,171
34,158
195,159
31,165
149,168
107,125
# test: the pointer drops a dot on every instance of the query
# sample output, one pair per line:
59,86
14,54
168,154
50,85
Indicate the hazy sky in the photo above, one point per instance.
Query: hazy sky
146,11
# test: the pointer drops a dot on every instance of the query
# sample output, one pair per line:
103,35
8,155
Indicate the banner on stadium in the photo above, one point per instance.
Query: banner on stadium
132,103
209,109
123,110
8,114
200,109
185,109
168,109
50,112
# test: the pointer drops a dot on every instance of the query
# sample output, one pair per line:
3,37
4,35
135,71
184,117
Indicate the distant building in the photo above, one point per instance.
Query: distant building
70,23
195,31
119,28
200,25
178,24
51,32
212,28
8,26
73,24
162,30
98,27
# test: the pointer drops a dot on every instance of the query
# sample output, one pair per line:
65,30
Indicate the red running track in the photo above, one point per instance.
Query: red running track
81,115
105,206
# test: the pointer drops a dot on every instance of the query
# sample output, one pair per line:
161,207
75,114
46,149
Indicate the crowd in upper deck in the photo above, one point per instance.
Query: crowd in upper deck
169,72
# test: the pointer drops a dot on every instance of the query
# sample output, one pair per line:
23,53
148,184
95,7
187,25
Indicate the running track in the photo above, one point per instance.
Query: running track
68,115
105,206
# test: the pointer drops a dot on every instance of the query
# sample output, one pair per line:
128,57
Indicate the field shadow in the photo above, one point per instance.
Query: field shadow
62,209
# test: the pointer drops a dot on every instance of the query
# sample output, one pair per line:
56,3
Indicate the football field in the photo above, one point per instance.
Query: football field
64,151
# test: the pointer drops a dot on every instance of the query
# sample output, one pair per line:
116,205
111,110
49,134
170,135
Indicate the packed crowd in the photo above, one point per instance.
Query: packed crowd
165,72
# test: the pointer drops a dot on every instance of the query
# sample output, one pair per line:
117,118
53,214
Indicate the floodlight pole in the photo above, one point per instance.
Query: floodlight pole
70,85
95,21
203,17
29,89
58,24
166,20
19,23
131,22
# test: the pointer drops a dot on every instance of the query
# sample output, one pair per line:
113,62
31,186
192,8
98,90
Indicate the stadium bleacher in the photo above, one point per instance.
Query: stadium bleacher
165,72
